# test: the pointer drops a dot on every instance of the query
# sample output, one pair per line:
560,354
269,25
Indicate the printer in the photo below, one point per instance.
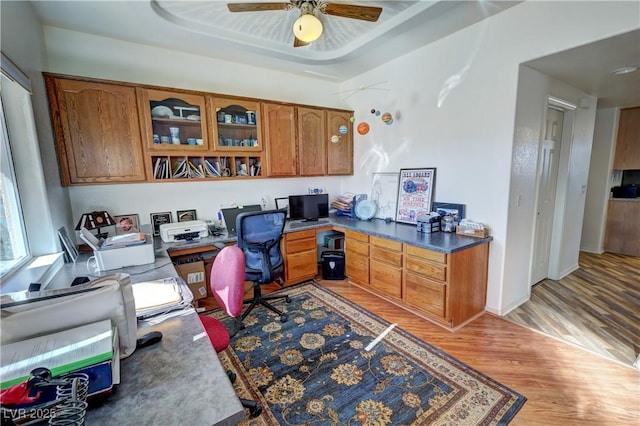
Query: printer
188,230
122,254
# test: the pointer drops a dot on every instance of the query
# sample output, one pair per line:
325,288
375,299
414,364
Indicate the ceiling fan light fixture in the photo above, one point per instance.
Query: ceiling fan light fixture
307,28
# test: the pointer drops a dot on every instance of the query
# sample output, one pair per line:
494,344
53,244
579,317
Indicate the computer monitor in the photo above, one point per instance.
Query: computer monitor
229,215
308,207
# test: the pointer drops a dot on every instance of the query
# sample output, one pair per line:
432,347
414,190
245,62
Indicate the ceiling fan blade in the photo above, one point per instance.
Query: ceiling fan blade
297,42
257,7
364,13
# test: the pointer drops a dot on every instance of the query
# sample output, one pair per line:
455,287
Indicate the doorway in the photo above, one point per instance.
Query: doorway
552,165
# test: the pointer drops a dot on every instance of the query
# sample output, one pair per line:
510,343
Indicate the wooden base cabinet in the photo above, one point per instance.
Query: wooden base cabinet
301,256
448,288
386,266
623,227
356,251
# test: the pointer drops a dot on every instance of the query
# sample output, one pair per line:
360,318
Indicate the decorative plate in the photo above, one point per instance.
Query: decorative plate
162,111
365,209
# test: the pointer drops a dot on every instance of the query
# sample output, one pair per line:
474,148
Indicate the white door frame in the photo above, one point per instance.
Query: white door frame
561,186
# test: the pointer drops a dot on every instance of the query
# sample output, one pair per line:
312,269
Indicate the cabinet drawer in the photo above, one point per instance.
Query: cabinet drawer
357,268
387,244
296,246
353,246
425,294
299,235
426,254
428,269
390,257
386,279
351,235
301,266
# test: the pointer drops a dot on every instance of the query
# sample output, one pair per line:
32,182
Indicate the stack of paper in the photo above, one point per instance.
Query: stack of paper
76,349
158,297
125,240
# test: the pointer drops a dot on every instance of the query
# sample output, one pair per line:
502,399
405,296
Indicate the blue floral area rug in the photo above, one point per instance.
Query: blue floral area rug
327,366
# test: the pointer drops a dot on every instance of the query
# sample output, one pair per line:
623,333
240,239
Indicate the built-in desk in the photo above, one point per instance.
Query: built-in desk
440,276
181,381
177,381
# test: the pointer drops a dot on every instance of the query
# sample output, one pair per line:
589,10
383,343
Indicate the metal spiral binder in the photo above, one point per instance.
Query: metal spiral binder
68,408
72,395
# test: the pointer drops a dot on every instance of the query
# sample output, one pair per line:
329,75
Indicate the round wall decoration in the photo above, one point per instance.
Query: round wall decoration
363,128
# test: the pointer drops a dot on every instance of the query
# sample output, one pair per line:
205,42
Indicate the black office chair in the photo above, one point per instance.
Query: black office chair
259,235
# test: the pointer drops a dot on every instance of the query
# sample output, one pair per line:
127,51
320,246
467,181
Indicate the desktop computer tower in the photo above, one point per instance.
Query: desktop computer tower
333,265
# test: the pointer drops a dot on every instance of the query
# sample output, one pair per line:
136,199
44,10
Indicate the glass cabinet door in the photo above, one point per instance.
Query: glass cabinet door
237,124
174,120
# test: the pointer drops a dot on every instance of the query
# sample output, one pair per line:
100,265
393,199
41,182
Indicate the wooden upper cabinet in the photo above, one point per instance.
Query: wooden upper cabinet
279,127
235,124
628,140
172,120
339,153
312,145
97,131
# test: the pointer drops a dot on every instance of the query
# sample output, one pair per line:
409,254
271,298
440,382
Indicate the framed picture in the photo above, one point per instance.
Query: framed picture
444,209
158,219
283,203
415,194
186,215
70,251
127,224
384,191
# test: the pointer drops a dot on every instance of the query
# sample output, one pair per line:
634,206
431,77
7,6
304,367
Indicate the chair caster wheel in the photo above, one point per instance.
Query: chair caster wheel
284,318
288,299
255,411
232,376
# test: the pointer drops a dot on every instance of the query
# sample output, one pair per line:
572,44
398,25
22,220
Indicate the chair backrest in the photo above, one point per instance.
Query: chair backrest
259,235
227,279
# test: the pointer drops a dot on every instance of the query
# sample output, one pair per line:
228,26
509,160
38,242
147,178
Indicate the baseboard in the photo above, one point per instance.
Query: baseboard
587,250
566,272
510,307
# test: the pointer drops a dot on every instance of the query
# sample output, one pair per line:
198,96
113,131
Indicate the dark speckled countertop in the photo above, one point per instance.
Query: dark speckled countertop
443,242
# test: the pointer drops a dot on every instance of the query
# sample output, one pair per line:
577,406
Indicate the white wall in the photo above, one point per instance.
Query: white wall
602,153
46,202
455,100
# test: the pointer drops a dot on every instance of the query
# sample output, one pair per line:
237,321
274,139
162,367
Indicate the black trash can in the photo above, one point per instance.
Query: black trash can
333,265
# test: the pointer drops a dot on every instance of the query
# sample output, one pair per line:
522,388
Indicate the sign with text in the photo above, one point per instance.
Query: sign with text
415,194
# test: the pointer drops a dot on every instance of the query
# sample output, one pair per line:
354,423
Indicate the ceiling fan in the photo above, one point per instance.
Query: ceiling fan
308,27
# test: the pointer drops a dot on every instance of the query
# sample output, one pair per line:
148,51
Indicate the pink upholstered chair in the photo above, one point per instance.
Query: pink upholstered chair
227,286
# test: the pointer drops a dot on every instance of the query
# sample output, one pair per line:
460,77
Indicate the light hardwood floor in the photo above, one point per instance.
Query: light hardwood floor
596,307
564,385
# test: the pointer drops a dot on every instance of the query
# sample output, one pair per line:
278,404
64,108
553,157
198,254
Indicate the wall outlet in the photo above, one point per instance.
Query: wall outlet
317,190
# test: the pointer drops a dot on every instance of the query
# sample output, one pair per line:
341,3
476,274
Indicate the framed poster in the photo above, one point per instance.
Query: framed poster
283,203
127,224
186,215
158,219
70,251
415,194
384,191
